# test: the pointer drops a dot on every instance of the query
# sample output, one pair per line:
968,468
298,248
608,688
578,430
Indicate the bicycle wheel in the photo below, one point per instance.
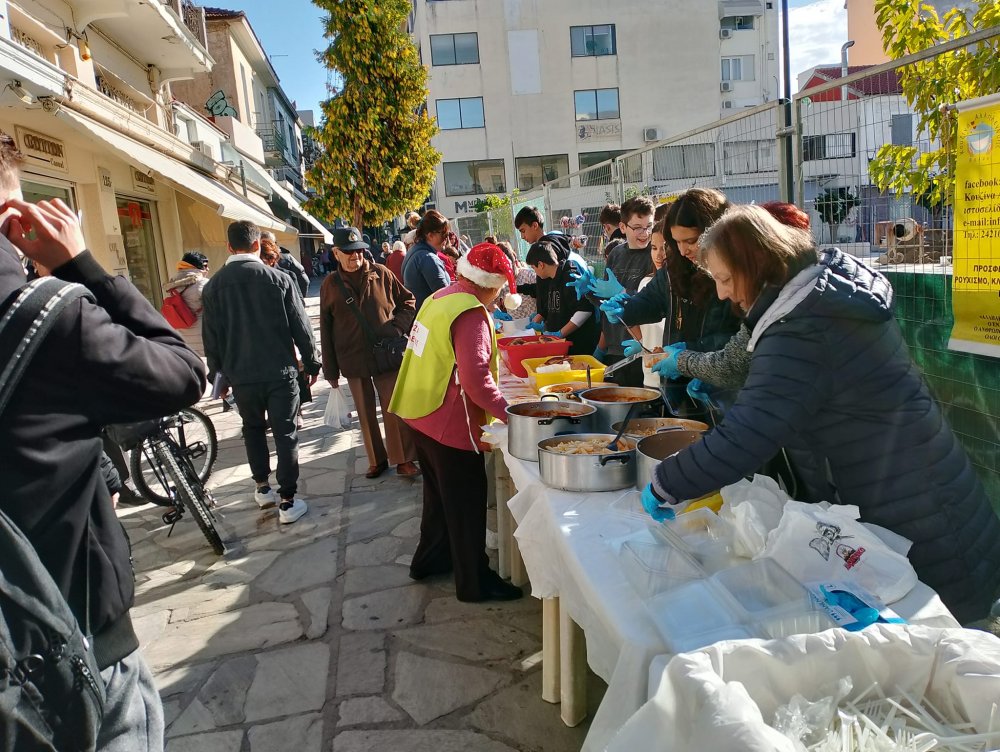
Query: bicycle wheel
190,491
194,434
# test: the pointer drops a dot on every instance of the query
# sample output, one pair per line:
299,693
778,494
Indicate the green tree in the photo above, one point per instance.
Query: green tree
376,160
930,86
833,205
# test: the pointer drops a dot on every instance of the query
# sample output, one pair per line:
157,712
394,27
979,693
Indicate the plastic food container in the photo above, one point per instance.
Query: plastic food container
513,355
779,624
704,535
652,569
761,588
538,380
515,327
691,612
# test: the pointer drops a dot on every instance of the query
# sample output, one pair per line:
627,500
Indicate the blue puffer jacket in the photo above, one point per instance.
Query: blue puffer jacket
830,373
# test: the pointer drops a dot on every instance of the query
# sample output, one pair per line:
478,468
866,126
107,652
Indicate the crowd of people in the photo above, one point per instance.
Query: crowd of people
736,298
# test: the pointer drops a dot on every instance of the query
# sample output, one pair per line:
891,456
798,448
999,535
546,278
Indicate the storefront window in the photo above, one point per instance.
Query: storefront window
136,219
35,192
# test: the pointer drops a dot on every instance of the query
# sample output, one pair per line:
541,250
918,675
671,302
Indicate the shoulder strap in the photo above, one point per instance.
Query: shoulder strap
27,322
352,303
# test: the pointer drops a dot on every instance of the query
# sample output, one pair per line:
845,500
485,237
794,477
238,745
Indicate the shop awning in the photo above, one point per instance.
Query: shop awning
297,208
184,178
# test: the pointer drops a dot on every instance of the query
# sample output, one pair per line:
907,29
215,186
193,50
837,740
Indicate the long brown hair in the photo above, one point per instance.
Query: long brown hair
758,249
695,209
432,221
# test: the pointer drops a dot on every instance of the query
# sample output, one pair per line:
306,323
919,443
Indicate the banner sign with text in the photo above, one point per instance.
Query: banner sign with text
976,262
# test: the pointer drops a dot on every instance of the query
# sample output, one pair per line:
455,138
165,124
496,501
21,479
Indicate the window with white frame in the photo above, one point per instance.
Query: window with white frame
453,114
737,23
738,68
687,161
535,171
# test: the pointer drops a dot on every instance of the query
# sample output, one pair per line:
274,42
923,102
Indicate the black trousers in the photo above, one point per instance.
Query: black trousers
274,403
453,523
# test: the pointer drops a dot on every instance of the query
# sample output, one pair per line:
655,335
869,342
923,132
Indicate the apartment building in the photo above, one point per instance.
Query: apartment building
861,27
242,96
529,91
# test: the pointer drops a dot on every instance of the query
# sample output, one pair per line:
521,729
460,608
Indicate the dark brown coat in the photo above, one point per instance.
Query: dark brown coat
388,307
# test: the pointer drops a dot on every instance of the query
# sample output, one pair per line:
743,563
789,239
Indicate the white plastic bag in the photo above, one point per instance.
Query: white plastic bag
754,510
336,414
817,544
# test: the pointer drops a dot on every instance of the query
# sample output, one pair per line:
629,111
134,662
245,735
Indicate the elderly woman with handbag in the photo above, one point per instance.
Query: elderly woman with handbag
365,315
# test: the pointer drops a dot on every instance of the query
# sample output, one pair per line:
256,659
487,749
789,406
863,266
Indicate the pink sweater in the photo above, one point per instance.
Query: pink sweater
451,424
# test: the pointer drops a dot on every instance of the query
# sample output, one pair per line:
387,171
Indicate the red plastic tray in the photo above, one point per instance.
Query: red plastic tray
512,355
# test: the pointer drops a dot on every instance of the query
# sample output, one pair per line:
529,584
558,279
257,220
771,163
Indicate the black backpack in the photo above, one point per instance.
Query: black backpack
51,693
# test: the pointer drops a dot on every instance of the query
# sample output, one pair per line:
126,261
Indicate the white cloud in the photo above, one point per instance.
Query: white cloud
816,31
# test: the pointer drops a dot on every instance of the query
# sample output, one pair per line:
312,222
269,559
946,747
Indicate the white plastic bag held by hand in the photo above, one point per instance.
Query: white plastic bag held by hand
336,415
754,509
817,543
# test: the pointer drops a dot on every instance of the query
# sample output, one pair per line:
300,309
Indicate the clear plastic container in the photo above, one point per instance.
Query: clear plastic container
630,505
690,610
653,568
687,643
762,586
778,624
704,535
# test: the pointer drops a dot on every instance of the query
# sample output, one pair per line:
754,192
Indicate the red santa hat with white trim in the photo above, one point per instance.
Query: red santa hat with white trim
487,265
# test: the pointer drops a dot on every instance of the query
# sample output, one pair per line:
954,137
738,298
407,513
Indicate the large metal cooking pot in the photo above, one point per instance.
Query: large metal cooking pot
568,392
640,428
613,403
586,472
530,422
652,450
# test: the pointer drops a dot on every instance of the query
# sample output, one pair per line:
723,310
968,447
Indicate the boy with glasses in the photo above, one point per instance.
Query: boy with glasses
629,262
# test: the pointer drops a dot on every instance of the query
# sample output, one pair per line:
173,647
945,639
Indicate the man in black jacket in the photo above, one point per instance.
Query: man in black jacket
253,321
563,313
112,361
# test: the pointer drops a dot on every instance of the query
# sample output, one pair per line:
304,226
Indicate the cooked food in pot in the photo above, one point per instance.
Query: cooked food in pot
573,363
618,397
589,446
543,412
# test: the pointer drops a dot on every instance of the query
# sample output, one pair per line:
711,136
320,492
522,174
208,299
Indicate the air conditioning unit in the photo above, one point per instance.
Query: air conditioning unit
727,104
725,33
649,135
726,86
203,147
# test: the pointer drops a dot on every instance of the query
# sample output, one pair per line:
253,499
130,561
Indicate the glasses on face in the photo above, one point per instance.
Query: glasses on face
356,252
641,230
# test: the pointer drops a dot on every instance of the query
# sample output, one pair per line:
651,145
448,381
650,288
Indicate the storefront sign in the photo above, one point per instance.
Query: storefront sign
143,182
117,254
40,149
976,263
599,130
104,181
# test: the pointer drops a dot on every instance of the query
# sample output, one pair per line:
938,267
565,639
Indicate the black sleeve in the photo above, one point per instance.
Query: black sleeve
131,364
110,474
302,333
651,303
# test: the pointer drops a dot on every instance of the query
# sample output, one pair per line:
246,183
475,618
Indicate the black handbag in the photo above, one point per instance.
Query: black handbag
387,352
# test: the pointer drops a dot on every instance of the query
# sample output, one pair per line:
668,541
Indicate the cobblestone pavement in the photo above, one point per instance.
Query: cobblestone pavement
311,636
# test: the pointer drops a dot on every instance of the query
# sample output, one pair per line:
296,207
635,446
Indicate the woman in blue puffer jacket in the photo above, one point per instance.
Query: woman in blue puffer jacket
830,372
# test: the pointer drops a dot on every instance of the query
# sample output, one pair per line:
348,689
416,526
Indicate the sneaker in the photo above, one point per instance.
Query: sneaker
265,497
290,510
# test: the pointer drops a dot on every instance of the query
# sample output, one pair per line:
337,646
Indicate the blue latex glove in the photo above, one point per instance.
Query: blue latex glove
615,307
667,368
631,347
502,316
581,279
651,503
498,326
556,333
538,326
607,288
600,354
697,391
865,614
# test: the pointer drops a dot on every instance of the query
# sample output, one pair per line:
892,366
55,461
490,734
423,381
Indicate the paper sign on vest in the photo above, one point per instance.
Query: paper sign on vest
418,338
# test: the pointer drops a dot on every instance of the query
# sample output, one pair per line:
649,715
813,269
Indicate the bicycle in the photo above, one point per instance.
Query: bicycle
194,434
159,452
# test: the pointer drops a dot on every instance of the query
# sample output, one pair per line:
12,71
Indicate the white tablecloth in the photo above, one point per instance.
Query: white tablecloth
569,542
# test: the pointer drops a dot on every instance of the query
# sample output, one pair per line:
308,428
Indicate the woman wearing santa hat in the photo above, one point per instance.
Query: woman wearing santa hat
447,386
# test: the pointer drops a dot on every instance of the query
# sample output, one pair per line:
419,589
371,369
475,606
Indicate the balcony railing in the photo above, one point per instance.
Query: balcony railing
192,16
274,140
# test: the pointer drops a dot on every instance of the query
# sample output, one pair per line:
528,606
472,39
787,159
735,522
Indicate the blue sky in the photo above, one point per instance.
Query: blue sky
291,29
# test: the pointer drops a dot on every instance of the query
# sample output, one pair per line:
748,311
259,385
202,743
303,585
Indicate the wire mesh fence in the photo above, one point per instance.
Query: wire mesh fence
839,128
